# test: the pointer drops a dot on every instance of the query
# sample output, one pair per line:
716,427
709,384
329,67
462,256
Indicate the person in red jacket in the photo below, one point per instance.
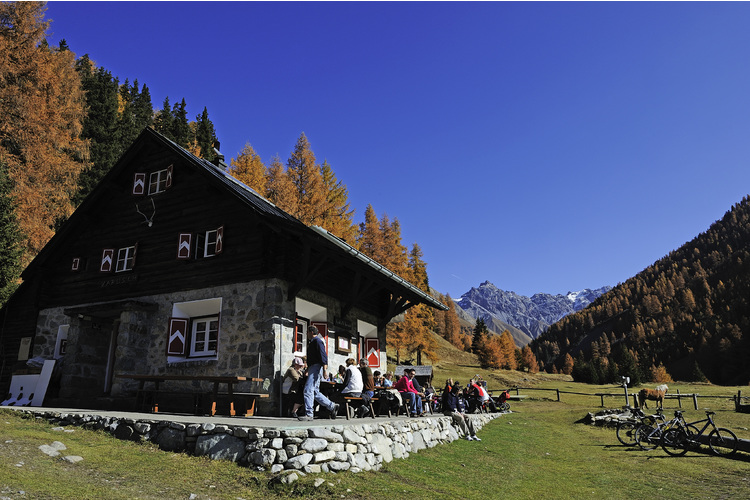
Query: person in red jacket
406,388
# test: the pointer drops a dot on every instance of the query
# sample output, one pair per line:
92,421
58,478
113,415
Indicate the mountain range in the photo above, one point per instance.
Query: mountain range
526,318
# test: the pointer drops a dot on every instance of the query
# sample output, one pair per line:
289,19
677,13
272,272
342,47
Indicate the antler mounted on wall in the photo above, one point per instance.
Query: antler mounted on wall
149,220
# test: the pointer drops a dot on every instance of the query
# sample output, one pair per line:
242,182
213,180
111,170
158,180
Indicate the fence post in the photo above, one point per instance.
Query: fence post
558,394
602,396
679,399
695,401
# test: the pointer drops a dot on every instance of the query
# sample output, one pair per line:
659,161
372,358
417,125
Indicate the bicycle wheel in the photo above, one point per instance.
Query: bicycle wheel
722,441
675,442
626,433
647,437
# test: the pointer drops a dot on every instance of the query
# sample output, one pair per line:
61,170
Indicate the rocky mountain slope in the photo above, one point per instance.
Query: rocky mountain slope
525,317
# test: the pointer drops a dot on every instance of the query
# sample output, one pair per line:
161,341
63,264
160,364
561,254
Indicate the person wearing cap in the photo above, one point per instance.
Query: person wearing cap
317,362
291,386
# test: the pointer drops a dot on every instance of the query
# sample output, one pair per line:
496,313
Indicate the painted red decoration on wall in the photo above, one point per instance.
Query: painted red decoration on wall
372,352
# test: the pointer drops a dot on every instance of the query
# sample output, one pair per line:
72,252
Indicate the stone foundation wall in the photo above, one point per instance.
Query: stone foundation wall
334,448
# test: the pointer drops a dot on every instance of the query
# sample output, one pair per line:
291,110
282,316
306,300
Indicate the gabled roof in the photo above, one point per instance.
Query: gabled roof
409,294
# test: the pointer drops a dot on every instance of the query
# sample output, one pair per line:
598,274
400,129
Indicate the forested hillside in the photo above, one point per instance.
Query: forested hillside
685,317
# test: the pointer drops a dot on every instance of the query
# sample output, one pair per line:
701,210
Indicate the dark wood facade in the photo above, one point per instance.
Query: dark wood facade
257,241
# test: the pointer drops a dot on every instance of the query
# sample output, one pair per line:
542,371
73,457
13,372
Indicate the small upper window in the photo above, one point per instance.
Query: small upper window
125,259
157,182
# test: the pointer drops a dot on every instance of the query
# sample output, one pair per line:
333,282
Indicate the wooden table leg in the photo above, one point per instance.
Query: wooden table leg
231,399
216,396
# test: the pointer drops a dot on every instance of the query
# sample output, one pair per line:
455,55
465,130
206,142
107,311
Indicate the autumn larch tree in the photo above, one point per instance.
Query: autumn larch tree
338,215
305,174
280,190
249,169
41,110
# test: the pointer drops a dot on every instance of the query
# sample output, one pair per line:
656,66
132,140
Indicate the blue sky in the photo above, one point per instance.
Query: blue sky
545,147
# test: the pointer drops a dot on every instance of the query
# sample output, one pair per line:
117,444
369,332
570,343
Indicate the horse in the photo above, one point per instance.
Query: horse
654,395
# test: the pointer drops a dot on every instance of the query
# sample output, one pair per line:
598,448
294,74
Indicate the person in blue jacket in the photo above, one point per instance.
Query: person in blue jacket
317,362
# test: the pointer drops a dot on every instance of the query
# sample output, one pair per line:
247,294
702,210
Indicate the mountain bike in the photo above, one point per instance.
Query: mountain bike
677,440
648,436
626,430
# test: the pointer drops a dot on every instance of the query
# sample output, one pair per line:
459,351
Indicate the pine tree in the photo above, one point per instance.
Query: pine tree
480,334
99,124
180,126
10,239
249,169
205,136
163,121
41,110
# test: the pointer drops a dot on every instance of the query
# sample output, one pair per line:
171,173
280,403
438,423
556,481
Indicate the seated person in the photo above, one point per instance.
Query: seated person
405,387
339,377
388,379
352,380
453,407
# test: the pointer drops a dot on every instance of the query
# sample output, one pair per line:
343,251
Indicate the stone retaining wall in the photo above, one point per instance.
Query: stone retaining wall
332,448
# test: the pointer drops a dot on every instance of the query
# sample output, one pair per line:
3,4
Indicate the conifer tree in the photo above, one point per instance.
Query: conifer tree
338,215
280,190
163,120
452,327
99,124
304,171
205,136
180,125
41,110
370,238
10,239
528,360
508,351
249,169
480,334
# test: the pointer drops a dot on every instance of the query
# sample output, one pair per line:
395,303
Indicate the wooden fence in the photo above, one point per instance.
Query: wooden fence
626,396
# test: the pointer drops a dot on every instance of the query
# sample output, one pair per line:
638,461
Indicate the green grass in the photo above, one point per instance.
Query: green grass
536,452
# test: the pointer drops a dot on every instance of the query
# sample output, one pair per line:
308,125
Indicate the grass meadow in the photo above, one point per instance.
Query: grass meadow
536,452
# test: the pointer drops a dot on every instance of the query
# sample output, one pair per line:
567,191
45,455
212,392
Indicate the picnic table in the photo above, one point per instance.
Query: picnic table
217,381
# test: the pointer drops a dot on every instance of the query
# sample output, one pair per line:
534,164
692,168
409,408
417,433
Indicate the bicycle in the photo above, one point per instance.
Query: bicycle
626,430
648,436
677,440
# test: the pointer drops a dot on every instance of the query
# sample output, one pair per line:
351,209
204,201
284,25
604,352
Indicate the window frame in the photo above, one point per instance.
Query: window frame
206,351
162,182
129,258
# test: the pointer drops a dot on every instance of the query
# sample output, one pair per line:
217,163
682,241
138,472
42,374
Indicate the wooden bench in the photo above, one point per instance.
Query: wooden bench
349,399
